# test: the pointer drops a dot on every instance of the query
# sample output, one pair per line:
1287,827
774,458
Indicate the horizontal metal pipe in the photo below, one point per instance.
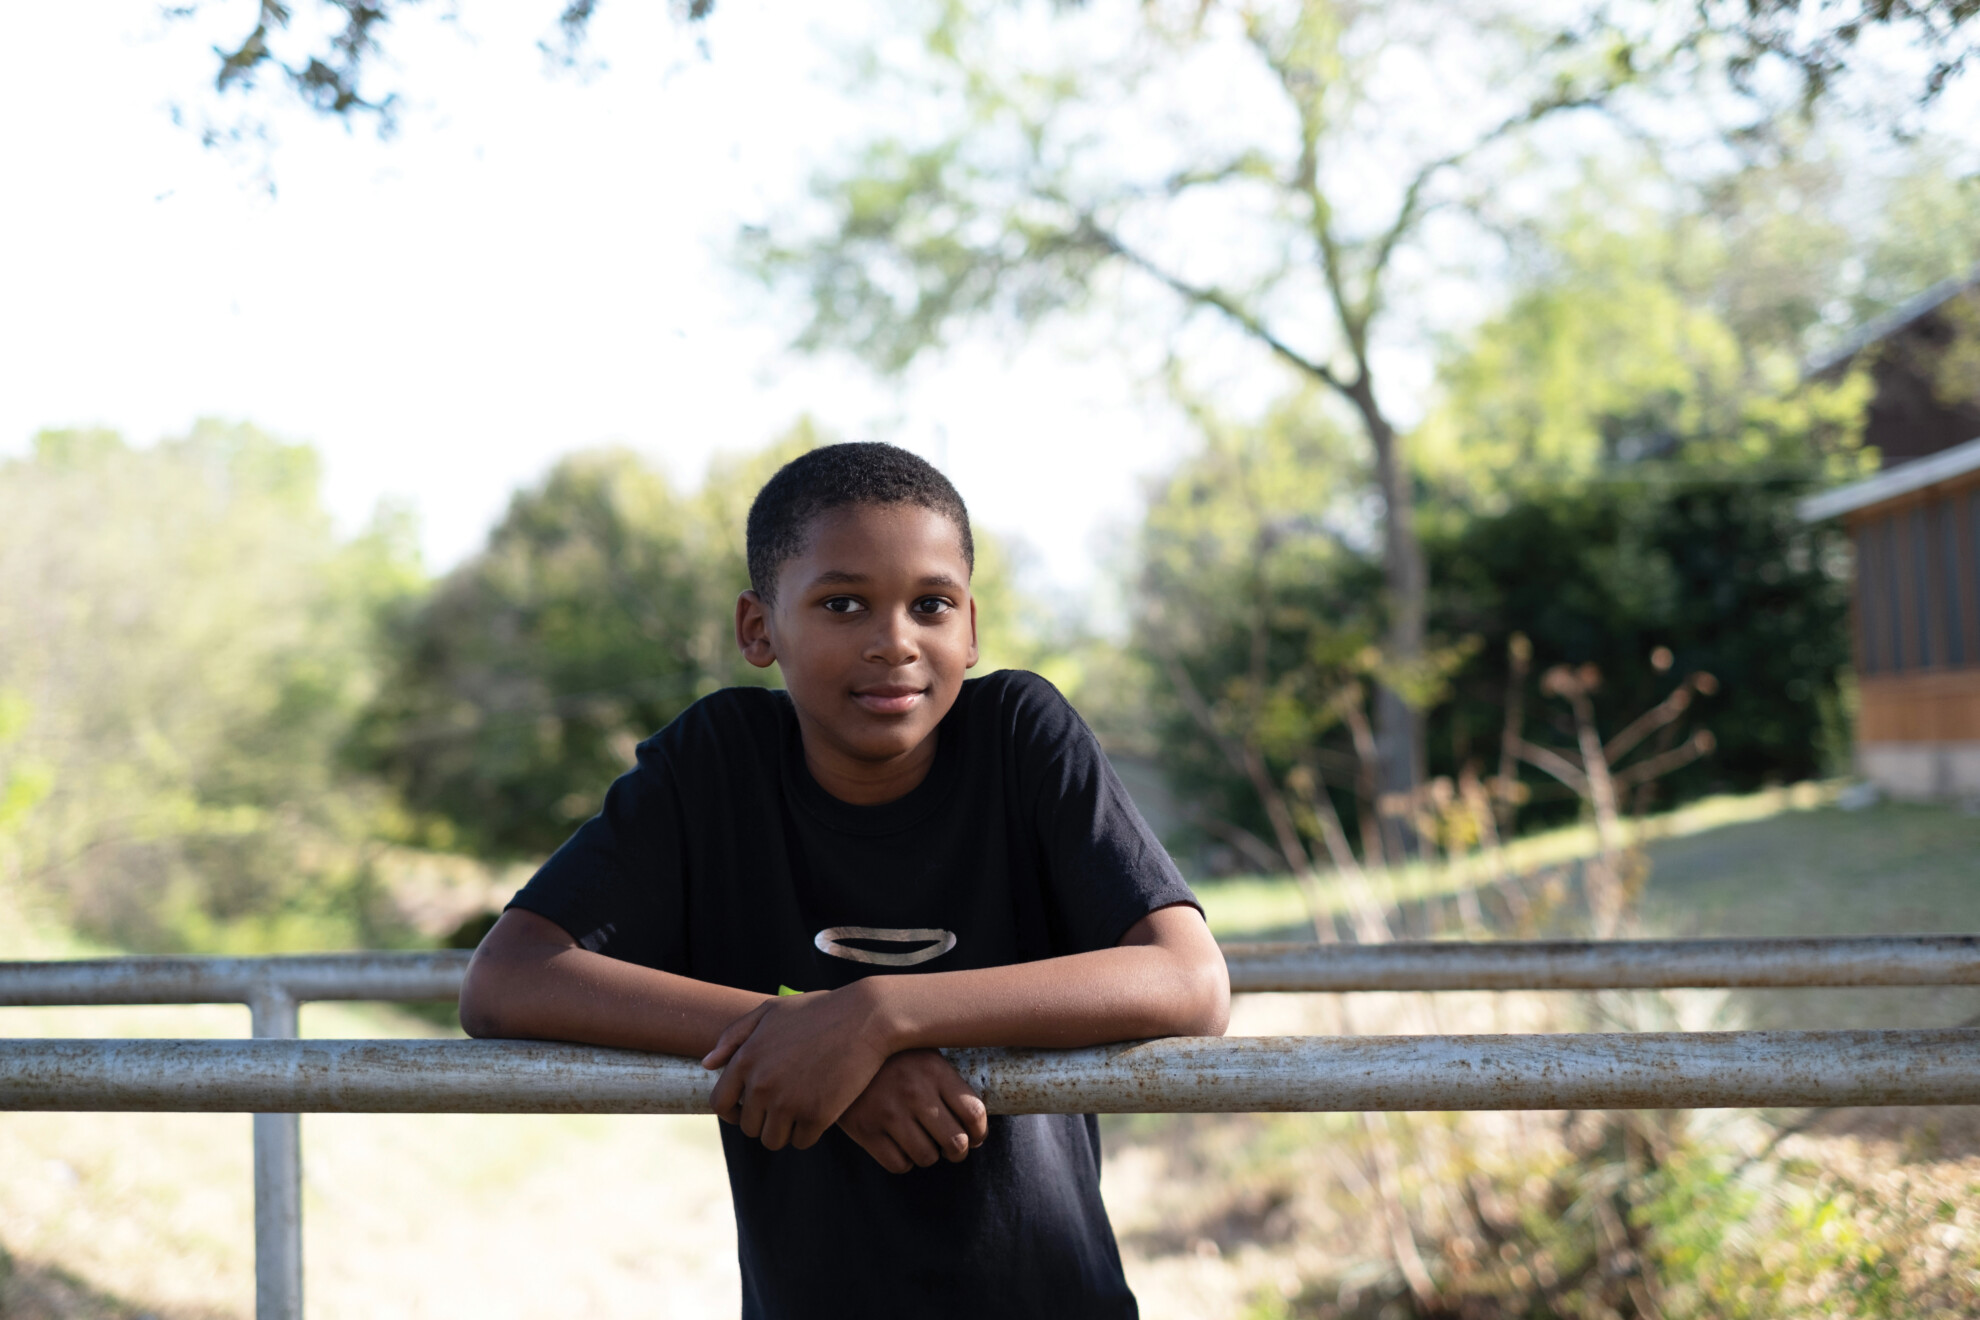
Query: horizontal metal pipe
1416,965
154,980
1608,964
1181,1075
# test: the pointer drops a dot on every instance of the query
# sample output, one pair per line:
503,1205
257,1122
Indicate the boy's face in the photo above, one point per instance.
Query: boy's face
874,627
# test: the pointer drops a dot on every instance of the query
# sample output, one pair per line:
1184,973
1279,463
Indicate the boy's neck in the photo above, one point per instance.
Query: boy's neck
859,782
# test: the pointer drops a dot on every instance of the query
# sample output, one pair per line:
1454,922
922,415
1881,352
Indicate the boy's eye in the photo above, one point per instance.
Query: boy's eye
933,605
842,604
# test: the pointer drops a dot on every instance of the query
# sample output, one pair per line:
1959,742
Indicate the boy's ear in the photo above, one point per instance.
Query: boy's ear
753,630
973,657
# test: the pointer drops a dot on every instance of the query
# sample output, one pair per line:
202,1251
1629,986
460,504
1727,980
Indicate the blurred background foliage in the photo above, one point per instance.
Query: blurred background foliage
601,607
186,644
225,727
224,724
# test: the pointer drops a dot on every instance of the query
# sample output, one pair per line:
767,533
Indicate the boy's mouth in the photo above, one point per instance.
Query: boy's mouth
889,698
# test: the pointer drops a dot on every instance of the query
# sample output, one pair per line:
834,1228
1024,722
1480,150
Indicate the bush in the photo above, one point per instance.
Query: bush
1717,569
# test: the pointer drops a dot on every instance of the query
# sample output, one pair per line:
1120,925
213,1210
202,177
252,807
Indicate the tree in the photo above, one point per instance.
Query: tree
329,69
1641,333
1816,40
1609,474
1820,39
602,605
1285,212
184,641
1616,453
1252,607
599,609
1666,571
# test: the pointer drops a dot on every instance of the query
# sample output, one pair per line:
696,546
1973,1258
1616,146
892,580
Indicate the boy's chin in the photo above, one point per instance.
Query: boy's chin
891,744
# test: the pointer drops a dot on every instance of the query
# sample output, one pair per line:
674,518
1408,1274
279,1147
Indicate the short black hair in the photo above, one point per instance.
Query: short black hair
832,477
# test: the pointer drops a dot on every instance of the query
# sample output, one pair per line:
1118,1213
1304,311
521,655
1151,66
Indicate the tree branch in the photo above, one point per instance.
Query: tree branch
1244,758
1250,165
1412,208
1699,744
1093,234
1648,723
1545,758
1261,853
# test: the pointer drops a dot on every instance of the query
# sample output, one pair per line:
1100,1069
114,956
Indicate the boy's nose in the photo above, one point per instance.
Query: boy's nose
893,641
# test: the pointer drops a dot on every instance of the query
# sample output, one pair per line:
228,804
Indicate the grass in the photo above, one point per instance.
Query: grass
124,1215
1782,862
1864,1212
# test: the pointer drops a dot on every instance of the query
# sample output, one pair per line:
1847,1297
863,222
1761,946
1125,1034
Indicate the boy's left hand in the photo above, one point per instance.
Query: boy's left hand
794,1064
917,1111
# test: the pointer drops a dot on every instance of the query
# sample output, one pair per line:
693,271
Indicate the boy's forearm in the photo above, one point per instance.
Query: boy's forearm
1173,984
530,980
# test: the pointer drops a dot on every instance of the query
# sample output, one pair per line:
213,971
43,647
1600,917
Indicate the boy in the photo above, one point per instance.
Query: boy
927,861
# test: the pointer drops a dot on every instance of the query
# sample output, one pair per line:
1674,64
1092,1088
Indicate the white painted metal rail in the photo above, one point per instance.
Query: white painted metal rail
277,1077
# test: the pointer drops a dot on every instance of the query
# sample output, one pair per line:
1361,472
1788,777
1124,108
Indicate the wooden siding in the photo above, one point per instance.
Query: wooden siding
1925,707
1916,624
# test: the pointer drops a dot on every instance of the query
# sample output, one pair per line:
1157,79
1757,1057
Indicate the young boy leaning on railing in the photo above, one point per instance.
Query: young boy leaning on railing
812,888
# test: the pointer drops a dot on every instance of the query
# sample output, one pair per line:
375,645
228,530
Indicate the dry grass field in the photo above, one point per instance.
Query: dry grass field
130,1215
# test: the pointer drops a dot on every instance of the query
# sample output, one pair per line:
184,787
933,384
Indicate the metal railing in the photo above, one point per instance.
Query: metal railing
277,1077
1870,960
1176,1075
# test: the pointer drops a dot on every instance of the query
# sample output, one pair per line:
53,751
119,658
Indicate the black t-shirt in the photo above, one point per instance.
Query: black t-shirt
719,857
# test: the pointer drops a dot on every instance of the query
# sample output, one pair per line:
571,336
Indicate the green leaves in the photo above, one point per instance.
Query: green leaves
24,782
920,239
600,608
196,640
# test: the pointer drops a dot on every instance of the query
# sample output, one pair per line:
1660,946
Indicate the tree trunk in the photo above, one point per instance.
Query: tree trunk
1398,727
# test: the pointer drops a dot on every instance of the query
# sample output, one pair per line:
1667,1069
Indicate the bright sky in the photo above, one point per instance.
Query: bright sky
535,264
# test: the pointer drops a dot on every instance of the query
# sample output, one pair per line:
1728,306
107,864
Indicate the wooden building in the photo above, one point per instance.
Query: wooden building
1916,529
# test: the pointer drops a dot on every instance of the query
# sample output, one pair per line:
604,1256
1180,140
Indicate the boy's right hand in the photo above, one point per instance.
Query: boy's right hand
916,1110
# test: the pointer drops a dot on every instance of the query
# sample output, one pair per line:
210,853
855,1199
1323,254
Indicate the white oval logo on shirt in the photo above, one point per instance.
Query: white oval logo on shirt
935,943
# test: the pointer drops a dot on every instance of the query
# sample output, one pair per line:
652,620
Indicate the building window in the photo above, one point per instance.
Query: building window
1953,627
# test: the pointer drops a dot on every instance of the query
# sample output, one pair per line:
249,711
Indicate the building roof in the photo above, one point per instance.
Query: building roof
1890,322
1888,485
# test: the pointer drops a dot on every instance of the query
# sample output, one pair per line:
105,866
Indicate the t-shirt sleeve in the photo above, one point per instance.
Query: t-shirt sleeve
1104,868
616,885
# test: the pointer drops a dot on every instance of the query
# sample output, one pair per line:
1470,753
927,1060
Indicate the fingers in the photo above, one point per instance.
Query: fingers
789,1071
733,1036
726,1099
939,1127
770,1124
968,1110
777,1130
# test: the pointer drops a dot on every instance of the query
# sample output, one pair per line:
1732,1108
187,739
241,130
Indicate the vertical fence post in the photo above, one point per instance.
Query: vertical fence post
277,1180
